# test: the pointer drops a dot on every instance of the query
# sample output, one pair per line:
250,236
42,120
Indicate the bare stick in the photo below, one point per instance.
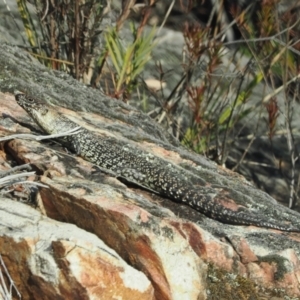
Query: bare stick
3,289
26,136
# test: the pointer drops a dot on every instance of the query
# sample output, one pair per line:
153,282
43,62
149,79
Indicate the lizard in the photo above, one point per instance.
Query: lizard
142,168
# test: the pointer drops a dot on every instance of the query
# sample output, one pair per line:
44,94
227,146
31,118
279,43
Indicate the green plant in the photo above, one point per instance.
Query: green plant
30,30
128,61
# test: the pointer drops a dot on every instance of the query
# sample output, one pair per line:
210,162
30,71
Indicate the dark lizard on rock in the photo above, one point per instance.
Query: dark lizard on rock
143,168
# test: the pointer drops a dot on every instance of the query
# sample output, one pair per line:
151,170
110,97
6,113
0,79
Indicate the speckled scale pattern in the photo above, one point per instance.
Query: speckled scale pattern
142,168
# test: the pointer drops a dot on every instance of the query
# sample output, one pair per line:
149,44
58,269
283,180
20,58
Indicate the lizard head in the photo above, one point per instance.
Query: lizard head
44,115
29,104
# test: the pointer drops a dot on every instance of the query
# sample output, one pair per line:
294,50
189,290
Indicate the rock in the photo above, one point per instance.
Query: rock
184,254
61,261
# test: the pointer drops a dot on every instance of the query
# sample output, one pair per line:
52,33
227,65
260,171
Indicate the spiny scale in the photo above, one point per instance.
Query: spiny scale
142,168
